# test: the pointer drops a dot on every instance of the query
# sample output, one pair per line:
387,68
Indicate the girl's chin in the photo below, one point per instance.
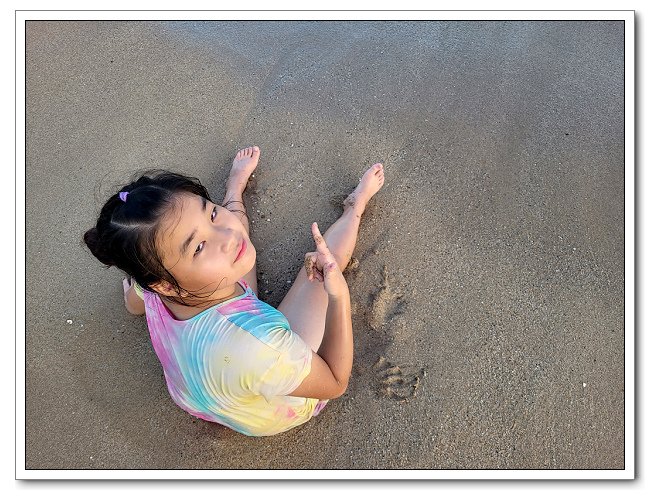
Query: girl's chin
249,268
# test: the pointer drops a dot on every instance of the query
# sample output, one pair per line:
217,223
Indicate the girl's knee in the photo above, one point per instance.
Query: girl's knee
342,260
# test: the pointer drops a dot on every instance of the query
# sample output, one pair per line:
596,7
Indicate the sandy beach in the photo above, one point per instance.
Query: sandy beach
489,270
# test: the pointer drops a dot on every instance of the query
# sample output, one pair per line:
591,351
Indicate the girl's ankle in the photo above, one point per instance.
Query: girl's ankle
234,196
353,209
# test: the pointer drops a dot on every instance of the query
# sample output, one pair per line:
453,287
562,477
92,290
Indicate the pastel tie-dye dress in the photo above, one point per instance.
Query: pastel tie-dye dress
233,363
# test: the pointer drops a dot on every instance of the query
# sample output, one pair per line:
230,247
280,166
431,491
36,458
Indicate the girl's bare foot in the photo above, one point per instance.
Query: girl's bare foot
370,183
243,166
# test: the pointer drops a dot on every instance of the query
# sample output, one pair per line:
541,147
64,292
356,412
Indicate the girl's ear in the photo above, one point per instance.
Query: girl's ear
164,288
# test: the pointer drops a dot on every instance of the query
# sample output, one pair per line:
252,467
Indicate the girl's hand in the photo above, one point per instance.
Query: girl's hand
126,284
321,265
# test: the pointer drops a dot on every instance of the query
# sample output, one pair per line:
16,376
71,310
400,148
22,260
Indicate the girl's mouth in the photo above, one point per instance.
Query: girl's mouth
242,250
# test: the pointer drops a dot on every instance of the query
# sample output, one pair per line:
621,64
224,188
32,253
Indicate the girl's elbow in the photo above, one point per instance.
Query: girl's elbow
132,310
134,313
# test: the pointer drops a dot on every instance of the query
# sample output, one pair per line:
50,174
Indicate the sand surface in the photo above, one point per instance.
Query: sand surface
488,297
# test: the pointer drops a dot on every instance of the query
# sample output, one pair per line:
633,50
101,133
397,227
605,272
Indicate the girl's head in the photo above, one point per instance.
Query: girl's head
171,238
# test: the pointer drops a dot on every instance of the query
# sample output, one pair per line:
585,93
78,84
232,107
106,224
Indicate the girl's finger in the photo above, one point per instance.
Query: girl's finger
309,266
328,267
321,246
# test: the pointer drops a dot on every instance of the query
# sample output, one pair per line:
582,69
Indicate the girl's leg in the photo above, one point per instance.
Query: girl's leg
243,166
305,305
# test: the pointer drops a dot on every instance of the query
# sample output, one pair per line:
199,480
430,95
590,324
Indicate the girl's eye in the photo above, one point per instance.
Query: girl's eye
212,217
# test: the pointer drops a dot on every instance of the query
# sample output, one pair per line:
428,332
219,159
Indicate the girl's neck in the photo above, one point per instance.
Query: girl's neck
199,305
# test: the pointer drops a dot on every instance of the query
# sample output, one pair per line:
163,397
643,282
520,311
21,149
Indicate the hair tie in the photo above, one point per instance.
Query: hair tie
123,195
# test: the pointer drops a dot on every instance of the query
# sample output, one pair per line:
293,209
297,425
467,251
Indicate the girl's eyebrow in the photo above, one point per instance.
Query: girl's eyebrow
189,239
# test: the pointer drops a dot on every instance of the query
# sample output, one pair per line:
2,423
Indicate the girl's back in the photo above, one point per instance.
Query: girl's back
233,363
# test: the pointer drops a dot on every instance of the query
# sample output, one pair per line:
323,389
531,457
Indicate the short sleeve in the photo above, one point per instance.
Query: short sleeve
138,289
289,368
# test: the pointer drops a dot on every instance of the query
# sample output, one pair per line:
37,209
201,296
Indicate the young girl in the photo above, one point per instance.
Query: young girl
227,356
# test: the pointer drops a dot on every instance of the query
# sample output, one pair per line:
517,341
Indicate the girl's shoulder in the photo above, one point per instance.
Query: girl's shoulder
253,314
245,310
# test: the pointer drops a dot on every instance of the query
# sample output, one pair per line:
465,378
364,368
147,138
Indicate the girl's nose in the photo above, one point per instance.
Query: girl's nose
230,240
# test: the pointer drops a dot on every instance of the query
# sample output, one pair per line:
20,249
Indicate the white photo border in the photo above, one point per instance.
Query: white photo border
21,16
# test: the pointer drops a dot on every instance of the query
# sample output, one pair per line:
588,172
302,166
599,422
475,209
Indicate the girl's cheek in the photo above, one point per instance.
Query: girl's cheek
214,263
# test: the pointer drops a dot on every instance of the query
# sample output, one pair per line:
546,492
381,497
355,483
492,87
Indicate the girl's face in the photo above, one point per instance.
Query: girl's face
204,246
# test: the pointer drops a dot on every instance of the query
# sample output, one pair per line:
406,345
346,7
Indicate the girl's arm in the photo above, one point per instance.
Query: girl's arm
331,366
134,304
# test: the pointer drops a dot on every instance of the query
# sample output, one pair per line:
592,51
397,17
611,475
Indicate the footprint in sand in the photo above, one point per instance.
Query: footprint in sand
396,383
386,304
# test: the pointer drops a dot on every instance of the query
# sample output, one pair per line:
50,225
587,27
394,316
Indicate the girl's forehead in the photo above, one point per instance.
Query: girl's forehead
181,216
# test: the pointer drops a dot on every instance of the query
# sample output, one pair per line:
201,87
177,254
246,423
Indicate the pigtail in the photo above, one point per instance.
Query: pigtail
94,244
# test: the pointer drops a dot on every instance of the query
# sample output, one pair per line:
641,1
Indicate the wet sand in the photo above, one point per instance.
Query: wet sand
488,296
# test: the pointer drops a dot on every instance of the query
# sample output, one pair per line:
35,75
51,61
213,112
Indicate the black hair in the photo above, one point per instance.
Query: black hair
126,231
